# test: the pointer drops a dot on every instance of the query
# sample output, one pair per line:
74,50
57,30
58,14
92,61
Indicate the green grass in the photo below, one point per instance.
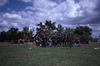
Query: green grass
21,55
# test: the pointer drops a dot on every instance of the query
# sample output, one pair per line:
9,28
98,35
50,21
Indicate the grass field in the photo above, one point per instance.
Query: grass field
21,55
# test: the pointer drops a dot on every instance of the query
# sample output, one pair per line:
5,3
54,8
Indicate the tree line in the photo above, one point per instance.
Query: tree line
80,34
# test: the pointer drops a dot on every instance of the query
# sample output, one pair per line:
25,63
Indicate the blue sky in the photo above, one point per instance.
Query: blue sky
69,13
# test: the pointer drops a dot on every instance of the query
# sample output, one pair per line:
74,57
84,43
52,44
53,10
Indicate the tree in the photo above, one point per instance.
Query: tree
60,29
69,32
81,30
84,32
41,28
46,28
99,38
27,34
3,36
50,26
12,34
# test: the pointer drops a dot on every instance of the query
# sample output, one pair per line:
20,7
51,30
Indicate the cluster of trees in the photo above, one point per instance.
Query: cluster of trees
13,35
81,34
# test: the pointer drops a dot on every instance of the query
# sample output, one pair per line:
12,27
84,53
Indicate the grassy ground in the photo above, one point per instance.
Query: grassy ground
21,55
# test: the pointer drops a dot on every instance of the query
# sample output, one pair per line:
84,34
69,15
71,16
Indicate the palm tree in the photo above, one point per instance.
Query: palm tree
46,28
50,26
60,29
40,28
69,32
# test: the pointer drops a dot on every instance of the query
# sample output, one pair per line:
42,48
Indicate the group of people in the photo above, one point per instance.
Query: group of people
45,40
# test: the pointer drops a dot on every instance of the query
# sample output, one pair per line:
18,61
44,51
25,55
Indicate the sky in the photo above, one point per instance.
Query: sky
68,13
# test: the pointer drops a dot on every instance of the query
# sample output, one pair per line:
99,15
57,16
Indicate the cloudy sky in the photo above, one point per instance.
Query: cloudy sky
69,13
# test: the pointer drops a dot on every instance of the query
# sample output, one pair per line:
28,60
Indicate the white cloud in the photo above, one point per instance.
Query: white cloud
12,16
26,0
67,12
15,24
3,2
44,4
88,5
99,28
4,23
49,10
18,19
69,25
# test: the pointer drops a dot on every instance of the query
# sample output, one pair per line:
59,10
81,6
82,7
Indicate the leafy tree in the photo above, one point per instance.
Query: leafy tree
20,35
84,32
3,36
12,34
81,30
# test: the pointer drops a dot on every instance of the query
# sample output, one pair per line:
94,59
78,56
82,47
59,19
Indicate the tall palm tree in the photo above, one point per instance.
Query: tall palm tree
60,29
46,28
69,32
50,26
